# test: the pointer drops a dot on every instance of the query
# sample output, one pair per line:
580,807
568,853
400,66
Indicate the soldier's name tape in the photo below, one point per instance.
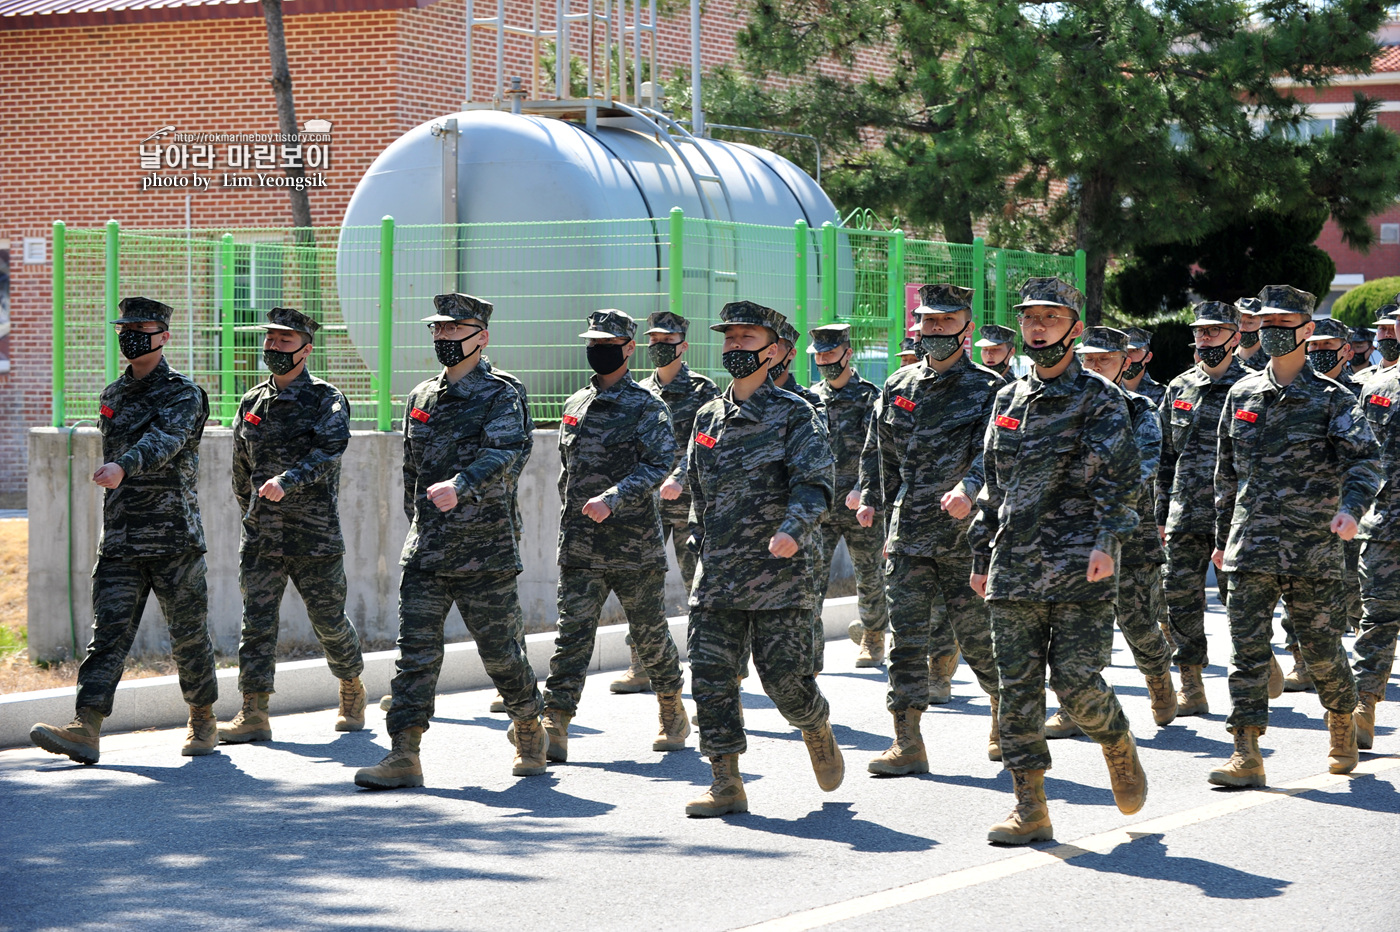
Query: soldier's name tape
1233,801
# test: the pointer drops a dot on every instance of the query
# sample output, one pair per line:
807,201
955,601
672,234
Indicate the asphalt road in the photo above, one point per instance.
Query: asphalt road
276,836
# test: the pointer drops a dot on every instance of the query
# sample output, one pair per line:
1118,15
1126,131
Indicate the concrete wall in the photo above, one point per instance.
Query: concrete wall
372,520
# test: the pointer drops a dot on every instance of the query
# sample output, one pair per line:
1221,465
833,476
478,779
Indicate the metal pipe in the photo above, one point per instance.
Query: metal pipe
60,327
386,321
189,286
471,29
677,260
72,606
895,308
500,51
771,132
799,268
697,111
561,52
637,52
112,296
226,347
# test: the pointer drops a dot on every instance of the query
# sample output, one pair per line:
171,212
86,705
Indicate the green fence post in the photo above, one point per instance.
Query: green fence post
829,292
895,273
227,405
386,322
60,297
1081,269
676,254
979,277
1003,305
799,270
113,296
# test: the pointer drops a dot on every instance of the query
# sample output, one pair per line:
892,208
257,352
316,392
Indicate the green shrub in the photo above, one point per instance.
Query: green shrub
1357,308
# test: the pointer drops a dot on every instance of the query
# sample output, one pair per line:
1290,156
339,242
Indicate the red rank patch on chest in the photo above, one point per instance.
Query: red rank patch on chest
419,415
901,402
705,440
1010,423
570,420
1182,405
1379,400
252,418
1249,417
107,412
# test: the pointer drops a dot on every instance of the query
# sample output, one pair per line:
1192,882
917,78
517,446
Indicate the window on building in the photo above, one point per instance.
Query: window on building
1390,234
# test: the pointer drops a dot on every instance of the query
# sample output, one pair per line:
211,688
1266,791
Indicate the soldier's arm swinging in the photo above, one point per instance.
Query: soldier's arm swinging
1362,473
330,437
811,482
983,528
656,443
1113,486
166,436
1226,484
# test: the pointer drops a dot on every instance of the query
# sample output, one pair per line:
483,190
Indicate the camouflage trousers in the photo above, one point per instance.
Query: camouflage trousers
321,582
781,640
1380,619
1251,609
866,546
915,586
679,532
1074,640
582,593
490,606
1351,581
1188,565
120,589
1141,609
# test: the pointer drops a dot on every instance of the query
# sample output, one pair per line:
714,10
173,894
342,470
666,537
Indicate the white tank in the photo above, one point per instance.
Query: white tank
546,278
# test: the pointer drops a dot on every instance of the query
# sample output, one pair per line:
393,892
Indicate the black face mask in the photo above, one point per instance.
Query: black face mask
606,358
1213,356
280,362
136,343
742,363
940,348
1249,339
1047,357
1389,349
1133,371
1279,341
831,371
1324,360
663,354
449,352
779,370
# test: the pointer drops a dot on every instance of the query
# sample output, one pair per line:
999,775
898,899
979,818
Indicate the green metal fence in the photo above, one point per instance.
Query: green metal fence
369,287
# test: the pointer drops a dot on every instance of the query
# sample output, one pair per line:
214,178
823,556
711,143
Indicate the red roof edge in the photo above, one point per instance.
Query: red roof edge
113,17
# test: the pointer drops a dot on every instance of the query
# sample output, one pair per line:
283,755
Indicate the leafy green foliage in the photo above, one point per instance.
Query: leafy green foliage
1357,308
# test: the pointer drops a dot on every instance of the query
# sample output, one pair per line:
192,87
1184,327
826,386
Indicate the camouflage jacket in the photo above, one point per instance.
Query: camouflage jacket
1255,363
756,469
1378,404
926,434
469,434
296,435
616,443
1062,479
151,428
1144,546
1190,415
1350,384
1284,454
683,396
1149,388
528,423
848,412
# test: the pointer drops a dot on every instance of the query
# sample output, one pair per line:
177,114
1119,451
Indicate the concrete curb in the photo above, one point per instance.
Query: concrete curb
307,685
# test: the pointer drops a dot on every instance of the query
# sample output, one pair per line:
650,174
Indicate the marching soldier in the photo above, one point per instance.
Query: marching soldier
926,437
761,475
288,438
1136,378
998,346
1061,477
616,447
152,419
908,355
1287,434
1363,340
1249,353
1386,343
463,430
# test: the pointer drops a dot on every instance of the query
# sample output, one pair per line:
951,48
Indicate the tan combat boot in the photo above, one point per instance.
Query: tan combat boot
675,723
532,744
1275,676
827,762
385,702
252,723
1246,766
556,722
872,648
1125,773
78,739
940,679
1163,697
855,631
907,754
351,714
1341,756
1365,718
1030,820
399,768
635,680
1299,679
994,736
497,703
202,737
1192,698
1060,725
726,792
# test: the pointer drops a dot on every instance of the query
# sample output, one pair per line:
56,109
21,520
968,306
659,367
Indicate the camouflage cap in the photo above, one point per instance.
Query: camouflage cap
1051,291
667,322
788,333
1103,340
287,318
609,323
1250,306
1362,335
1215,314
1138,338
829,337
943,298
1387,313
906,347
1285,299
751,313
1329,328
452,307
996,335
143,310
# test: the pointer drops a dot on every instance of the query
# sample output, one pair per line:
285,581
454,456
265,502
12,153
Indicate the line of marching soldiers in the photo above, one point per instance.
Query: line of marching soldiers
1009,521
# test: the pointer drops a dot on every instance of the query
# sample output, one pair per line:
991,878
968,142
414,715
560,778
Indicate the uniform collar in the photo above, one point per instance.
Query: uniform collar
463,385
618,387
756,407
930,374
854,381
303,380
1064,384
161,370
680,383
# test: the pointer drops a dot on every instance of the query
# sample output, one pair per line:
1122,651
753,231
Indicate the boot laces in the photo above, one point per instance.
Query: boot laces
1119,761
817,742
348,691
670,712
1337,727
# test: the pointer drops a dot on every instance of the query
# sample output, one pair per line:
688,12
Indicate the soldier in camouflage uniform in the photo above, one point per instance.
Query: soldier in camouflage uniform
616,447
1185,508
1136,378
1380,558
926,442
1061,480
1140,609
998,346
761,475
152,419
1363,344
1289,436
849,400
684,391
463,430
1250,354
1387,345
288,437
908,354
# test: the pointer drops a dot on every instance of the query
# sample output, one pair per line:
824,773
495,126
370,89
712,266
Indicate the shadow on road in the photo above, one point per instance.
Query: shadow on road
1146,857
837,822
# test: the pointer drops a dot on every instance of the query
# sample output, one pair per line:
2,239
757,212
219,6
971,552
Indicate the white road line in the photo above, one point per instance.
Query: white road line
972,876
